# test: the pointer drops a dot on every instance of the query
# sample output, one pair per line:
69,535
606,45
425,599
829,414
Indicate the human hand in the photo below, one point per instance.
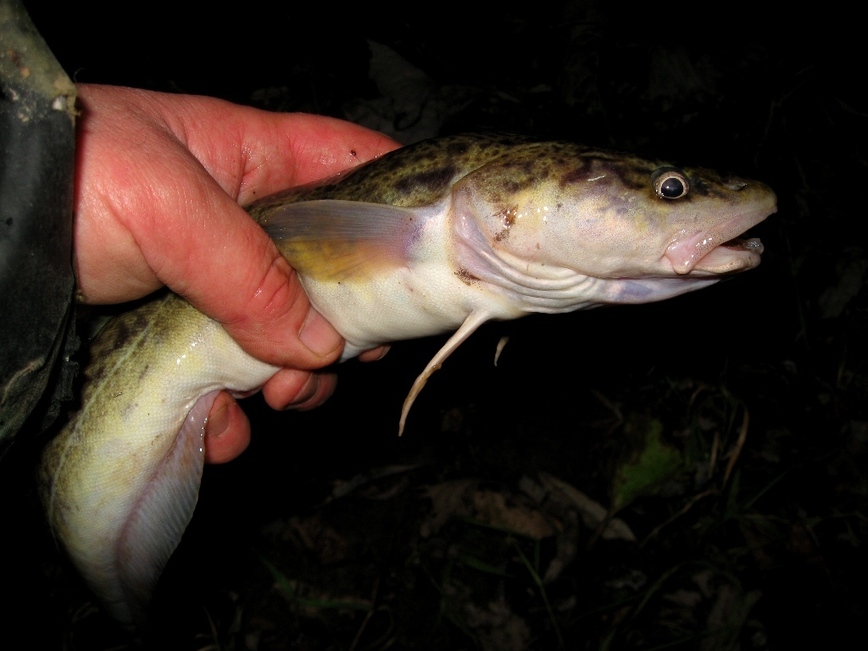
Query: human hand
160,181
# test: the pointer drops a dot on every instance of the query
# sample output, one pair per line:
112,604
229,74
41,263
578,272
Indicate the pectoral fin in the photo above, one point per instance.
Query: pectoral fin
471,323
342,240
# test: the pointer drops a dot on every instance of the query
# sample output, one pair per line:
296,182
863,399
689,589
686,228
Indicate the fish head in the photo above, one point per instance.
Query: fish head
614,216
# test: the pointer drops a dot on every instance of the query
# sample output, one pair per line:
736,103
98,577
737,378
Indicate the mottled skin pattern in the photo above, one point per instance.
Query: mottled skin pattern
421,174
418,175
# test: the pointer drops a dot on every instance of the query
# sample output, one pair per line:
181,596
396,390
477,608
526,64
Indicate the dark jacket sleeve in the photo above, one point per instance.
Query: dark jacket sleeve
37,157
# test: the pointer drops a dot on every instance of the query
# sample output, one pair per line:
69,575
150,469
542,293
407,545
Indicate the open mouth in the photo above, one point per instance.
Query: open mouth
719,251
737,254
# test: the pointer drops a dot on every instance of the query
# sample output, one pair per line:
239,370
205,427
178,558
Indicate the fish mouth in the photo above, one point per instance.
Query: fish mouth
721,250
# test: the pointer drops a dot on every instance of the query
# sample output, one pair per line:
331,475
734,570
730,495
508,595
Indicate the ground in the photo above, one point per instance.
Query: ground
688,474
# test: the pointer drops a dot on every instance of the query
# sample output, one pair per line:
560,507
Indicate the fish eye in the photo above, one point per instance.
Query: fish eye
670,183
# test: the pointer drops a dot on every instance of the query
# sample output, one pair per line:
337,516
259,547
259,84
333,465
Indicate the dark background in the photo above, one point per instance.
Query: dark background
767,554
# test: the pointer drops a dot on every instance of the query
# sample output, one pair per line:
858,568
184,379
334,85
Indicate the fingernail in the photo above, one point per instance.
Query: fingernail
318,334
307,391
218,423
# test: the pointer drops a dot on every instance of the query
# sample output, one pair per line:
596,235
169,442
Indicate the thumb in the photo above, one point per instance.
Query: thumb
273,320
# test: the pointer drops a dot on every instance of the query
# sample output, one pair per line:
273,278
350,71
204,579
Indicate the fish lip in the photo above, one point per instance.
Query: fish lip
719,250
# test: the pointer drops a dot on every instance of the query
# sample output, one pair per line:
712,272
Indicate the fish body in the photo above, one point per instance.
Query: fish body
438,237
504,226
